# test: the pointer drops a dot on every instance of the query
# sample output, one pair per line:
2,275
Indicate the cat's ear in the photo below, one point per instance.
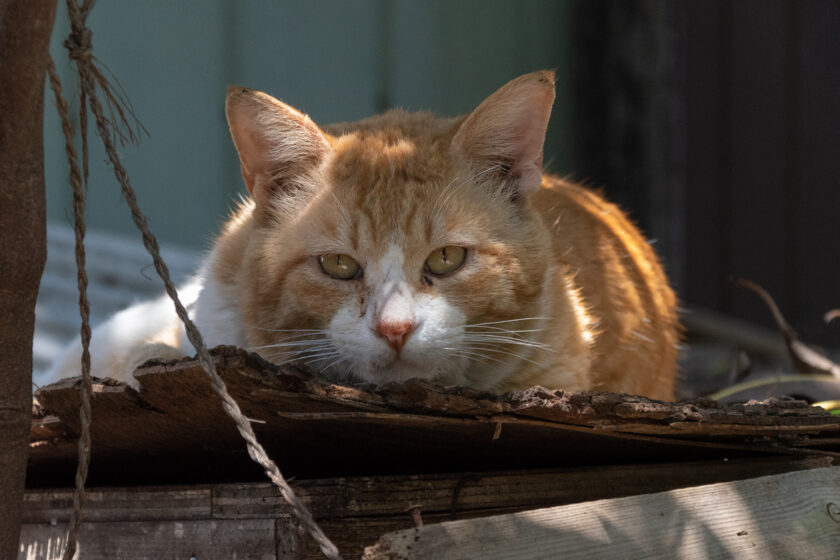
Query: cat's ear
275,142
504,136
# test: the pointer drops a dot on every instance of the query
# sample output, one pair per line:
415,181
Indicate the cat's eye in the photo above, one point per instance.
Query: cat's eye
342,267
445,260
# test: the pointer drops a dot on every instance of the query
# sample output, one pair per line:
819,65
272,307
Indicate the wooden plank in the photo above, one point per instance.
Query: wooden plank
355,511
481,493
794,515
120,504
377,496
174,430
245,538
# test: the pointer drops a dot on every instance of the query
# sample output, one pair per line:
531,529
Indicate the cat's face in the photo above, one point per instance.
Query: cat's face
401,246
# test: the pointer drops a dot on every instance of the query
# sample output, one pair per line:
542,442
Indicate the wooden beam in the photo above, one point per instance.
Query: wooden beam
355,511
249,538
160,435
25,28
794,515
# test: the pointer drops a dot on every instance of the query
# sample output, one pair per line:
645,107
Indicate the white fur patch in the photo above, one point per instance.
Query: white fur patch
428,350
117,344
152,329
215,312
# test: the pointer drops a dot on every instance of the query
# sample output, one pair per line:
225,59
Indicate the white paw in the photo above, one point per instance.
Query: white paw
142,354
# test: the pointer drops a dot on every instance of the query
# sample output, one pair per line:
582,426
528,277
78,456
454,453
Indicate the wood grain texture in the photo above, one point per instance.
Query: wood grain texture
25,27
355,511
793,515
174,431
206,539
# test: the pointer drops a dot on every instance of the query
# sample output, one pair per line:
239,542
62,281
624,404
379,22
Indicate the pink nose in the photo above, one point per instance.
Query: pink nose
395,333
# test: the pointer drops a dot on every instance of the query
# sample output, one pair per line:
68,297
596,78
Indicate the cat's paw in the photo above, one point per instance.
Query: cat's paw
142,354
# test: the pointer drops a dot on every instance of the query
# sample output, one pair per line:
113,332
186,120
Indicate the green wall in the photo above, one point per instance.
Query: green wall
335,60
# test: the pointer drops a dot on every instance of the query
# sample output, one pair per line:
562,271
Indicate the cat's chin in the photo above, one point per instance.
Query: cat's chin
398,371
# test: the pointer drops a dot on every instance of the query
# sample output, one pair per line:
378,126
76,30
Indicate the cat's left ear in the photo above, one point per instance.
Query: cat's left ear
275,141
504,136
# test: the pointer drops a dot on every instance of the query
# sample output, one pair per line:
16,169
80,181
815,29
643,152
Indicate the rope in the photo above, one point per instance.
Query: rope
84,308
79,46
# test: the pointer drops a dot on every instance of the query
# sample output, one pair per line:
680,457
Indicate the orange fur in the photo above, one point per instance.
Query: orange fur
537,246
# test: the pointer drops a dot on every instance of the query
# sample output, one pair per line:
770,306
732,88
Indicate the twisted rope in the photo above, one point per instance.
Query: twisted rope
84,308
79,46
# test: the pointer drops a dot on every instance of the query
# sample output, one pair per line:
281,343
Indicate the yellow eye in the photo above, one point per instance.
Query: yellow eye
445,260
342,267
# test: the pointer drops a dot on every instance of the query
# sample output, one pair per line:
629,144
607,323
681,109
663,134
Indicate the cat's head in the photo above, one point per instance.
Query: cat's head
399,246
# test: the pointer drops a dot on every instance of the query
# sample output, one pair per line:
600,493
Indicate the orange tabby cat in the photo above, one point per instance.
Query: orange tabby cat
406,245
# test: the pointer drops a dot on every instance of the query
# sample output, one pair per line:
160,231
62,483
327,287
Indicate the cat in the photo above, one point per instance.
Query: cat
407,245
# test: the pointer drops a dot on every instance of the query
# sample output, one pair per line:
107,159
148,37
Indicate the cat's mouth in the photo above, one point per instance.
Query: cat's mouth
397,369
398,363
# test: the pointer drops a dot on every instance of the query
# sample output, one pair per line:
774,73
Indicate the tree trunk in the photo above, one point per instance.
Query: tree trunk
25,28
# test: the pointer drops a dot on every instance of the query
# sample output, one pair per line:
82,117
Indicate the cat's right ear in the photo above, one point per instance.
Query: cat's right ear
506,132
275,142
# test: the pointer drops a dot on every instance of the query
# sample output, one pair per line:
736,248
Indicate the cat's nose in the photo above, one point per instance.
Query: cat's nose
395,333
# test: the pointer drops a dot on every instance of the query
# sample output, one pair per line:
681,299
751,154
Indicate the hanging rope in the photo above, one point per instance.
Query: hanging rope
79,47
84,308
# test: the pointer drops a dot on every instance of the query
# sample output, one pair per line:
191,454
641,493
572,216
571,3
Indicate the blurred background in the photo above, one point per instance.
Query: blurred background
715,124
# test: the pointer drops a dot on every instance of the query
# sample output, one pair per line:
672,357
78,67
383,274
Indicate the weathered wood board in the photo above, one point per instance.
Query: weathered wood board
786,516
175,431
357,450
252,521
199,540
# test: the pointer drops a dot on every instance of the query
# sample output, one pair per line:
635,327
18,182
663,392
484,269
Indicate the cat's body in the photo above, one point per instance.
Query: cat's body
410,246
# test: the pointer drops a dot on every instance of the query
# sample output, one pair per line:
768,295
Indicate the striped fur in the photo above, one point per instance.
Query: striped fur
557,289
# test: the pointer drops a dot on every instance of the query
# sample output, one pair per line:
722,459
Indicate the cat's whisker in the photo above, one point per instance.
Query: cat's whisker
302,349
463,178
311,357
508,321
476,356
494,345
294,343
445,194
470,179
442,193
324,355
504,332
331,364
494,167
497,339
315,358
442,203
295,351
489,329
515,331
297,358
446,363
513,354
312,364
314,336
291,330
444,197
